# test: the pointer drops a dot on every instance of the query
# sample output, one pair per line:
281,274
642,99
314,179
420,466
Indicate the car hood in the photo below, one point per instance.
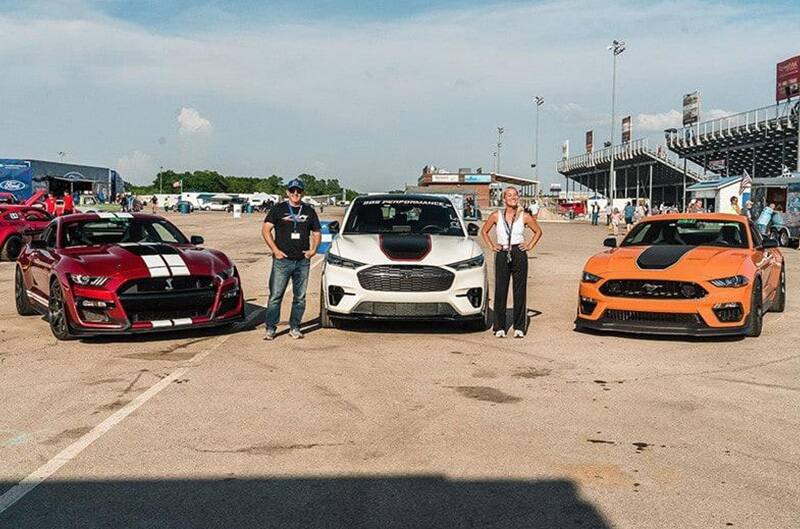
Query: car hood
142,260
701,262
405,248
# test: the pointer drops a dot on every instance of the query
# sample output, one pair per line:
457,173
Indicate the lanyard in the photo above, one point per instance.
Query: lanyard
294,215
509,229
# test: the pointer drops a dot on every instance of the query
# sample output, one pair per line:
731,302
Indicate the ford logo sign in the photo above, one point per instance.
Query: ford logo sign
12,185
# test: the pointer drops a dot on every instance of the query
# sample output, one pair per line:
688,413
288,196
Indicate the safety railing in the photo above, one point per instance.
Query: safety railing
776,118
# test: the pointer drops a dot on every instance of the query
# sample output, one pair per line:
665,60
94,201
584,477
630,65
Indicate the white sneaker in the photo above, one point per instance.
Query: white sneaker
271,334
296,334
519,334
500,334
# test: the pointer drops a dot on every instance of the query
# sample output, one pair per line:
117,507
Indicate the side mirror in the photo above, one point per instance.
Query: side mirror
769,243
472,229
196,240
333,226
38,244
611,242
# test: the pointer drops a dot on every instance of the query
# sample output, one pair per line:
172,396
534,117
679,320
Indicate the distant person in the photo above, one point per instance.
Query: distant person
153,204
629,211
511,260
638,213
609,212
765,218
595,213
735,206
69,203
747,210
166,204
616,221
295,241
533,209
50,204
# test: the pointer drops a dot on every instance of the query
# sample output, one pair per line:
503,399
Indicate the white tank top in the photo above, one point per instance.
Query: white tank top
517,229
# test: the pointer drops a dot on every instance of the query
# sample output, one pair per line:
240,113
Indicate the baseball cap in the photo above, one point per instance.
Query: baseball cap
296,182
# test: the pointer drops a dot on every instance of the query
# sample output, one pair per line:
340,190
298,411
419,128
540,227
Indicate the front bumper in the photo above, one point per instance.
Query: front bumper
227,307
672,317
360,303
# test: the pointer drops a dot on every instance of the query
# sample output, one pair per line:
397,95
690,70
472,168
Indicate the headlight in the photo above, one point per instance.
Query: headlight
730,282
588,277
335,260
88,281
227,273
474,262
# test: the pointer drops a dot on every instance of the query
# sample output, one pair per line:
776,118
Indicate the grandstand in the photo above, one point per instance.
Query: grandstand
759,141
640,170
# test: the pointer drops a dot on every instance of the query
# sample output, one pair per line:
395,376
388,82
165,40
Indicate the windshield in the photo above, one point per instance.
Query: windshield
120,230
404,215
689,232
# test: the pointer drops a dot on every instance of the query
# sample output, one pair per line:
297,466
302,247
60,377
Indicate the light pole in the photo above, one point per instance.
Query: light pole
500,131
616,48
538,101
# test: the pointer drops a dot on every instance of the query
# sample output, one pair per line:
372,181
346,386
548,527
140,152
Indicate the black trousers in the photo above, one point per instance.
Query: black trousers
505,273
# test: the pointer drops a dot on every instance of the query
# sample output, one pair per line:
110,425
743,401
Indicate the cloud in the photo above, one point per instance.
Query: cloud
377,99
672,118
657,122
191,123
137,167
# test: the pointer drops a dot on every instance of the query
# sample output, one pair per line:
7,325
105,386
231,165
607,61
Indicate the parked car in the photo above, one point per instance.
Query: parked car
177,206
120,273
684,274
404,257
16,224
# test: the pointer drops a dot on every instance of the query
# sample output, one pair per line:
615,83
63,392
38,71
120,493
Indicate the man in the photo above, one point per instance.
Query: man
595,213
297,236
153,204
50,204
629,211
511,260
69,203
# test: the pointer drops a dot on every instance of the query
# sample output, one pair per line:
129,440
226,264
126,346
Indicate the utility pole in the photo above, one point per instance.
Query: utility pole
616,48
538,101
161,180
500,131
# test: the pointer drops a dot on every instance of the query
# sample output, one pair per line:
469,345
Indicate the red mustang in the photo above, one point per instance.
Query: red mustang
120,273
17,222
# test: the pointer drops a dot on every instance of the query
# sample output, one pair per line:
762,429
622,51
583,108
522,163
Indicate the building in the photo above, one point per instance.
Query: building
484,188
716,194
23,177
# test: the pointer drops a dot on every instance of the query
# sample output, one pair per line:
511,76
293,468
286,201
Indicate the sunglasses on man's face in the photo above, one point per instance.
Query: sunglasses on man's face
296,191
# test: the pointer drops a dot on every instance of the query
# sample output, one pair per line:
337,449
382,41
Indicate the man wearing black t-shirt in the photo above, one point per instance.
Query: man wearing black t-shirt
297,236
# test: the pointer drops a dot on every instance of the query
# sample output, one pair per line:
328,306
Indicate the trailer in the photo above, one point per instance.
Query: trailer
782,195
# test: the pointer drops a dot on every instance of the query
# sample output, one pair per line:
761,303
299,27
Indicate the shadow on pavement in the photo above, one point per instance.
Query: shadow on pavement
346,503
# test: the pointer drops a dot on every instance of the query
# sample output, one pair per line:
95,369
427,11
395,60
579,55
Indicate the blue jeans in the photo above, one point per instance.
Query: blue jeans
282,271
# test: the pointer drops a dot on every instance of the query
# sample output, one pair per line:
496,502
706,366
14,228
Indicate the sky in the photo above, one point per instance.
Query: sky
365,91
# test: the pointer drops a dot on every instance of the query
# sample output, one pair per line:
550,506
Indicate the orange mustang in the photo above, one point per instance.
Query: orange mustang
706,274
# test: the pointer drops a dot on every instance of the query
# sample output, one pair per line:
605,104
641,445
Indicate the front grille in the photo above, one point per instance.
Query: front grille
167,298
405,310
412,278
677,318
646,288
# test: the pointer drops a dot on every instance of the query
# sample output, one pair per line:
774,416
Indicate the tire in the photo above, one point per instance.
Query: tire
756,315
11,248
783,238
779,303
24,306
57,313
325,321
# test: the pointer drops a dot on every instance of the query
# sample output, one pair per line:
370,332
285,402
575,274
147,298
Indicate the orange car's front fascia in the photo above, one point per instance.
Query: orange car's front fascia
703,306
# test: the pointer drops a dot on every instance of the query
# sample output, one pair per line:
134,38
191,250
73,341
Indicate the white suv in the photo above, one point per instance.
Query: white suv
404,257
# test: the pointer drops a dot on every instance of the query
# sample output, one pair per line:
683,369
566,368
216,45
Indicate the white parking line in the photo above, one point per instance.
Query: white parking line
27,484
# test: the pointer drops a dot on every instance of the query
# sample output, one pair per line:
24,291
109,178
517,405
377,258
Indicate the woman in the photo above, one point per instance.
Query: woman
616,220
510,261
